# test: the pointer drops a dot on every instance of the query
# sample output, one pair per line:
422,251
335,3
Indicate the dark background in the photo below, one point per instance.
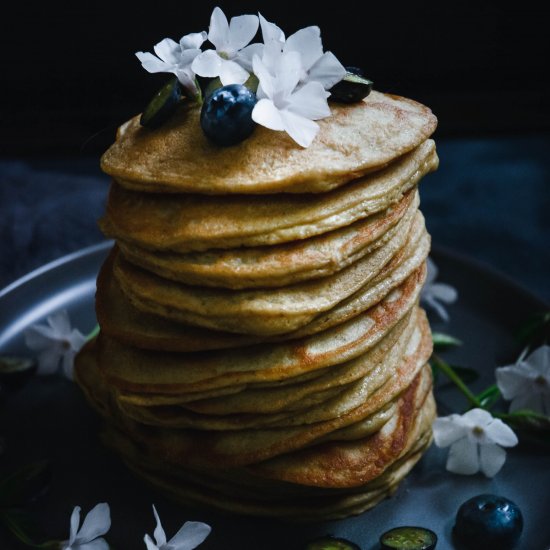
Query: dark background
70,73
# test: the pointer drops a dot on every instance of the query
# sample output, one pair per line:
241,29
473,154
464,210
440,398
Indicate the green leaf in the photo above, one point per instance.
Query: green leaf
535,330
25,485
442,341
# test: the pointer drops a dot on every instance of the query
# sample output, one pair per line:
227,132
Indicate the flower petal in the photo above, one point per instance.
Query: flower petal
242,30
501,433
160,535
68,364
267,82
491,459
288,76
540,360
463,457
232,73
266,114
327,70
477,417
447,430
529,401
429,301
193,40
153,64
168,50
48,361
432,272
310,101
60,322
207,64
270,31
218,32
245,56
190,535
444,292
76,339
300,129
512,381
307,42
149,543
75,522
97,544
96,523
38,337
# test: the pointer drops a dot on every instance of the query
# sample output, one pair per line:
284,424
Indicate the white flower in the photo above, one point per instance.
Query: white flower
175,58
433,292
527,383
476,439
316,66
55,342
232,58
188,537
96,523
282,107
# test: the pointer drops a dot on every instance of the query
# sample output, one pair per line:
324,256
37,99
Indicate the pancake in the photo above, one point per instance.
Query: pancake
172,373
337,391
356,139
256,311
121,320
190,491
184,223
215,449
277,265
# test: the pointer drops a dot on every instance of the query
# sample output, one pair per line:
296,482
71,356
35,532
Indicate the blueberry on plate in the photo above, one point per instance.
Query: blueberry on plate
488,522
226,115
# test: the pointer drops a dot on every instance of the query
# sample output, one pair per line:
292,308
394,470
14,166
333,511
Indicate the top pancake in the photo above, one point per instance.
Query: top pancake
354,140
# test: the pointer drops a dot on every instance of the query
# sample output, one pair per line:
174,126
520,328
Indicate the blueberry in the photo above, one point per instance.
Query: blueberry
487,522
226,115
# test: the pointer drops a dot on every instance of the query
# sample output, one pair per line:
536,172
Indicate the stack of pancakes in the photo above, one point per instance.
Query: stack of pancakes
261,346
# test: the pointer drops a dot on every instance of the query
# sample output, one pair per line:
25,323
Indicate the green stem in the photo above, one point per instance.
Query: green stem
451,374
93,333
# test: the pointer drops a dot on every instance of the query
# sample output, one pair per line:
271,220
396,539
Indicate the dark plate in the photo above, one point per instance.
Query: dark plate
48,419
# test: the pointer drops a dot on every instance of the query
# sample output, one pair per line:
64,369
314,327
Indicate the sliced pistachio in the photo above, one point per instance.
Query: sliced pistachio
162,105
351,89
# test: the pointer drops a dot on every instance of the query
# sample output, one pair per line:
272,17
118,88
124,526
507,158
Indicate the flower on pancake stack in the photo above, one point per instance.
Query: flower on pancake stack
294,75
476,439
176,58
231,61
316,65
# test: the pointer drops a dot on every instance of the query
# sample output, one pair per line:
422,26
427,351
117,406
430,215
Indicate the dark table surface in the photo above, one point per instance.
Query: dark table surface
490,199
